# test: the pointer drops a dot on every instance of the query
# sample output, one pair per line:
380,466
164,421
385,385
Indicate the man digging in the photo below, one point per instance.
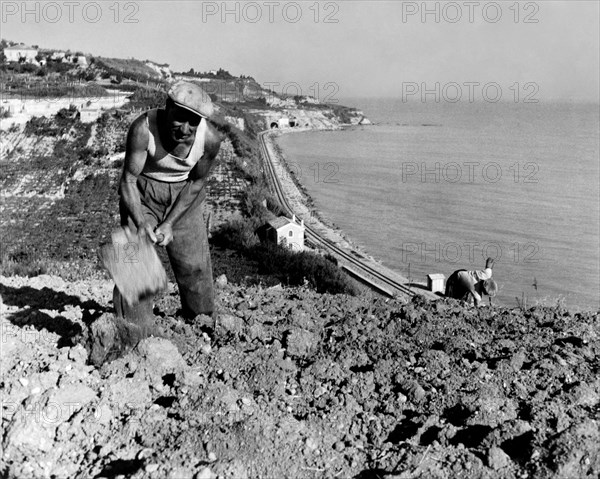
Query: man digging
463,284
168,157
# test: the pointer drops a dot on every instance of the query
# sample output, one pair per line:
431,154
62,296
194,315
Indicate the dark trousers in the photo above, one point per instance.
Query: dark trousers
457,285
188,253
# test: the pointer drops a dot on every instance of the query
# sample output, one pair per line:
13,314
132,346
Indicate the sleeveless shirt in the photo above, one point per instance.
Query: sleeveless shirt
163,166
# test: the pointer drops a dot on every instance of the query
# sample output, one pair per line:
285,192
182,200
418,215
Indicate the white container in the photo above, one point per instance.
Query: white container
435,283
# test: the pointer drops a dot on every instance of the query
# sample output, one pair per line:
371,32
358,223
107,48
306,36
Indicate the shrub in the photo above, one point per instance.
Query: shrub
330,257
294,268
253,203
237,234
146,99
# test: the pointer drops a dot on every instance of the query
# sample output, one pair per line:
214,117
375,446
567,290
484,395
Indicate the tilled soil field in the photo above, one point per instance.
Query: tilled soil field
297,384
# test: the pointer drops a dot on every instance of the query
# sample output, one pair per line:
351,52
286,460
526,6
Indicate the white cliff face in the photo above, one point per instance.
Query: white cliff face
163,70
308,118
275,101
21,110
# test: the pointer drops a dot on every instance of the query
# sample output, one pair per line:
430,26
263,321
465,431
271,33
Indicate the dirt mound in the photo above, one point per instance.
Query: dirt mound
298,384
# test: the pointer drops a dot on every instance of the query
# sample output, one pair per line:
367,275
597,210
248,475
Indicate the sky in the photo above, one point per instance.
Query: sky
547,50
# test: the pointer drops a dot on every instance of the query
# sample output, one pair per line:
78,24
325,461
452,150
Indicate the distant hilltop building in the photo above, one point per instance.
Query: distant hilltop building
74,58
21,52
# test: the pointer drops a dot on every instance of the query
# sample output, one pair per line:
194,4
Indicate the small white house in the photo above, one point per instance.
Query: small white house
16,52
89,114
435,283
286,232
75,59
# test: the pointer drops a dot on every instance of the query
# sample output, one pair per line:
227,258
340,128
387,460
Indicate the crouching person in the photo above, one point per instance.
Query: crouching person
463,284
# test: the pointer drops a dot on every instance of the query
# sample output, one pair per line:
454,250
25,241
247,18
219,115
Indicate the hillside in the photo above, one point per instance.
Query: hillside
292,383
59,175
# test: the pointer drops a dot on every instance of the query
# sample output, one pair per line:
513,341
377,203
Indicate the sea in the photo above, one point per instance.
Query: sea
430,188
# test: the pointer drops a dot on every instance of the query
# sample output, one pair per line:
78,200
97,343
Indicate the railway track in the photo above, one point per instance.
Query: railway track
355,266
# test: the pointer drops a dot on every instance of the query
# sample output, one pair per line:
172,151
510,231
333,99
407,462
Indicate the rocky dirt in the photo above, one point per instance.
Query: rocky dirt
291,384
297,384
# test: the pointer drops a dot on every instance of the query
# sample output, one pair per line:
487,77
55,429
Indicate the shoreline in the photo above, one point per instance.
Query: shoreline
303,204
304,208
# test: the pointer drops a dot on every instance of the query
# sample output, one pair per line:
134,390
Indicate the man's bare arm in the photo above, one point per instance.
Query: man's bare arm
194,186
471,290
135,159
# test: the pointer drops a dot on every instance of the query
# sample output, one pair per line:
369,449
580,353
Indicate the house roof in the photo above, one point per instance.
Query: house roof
282,221
436,276
279,222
